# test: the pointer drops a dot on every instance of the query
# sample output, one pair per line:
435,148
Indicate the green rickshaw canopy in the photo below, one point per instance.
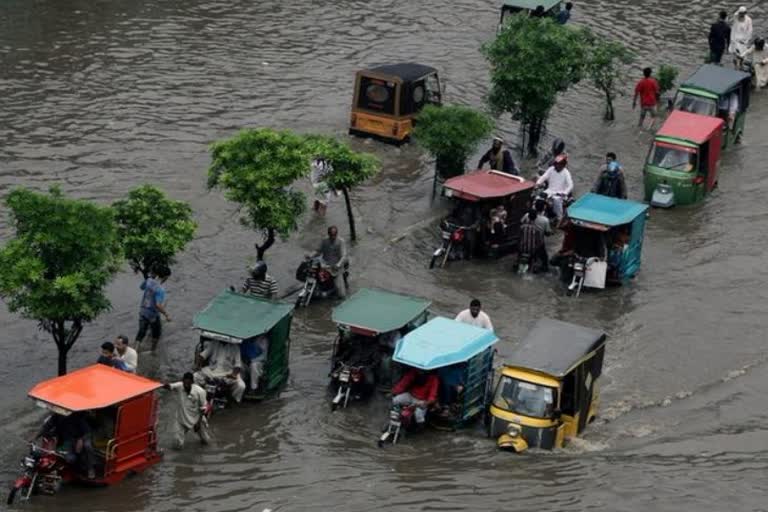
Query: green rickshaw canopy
379,310
716,79
240,316
531,4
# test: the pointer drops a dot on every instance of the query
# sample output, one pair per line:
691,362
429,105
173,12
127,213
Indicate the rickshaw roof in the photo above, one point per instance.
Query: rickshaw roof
531,4
240,316
379,310
608,211
554,347
405,71
691,127
716,79
442,342
484,184
93,387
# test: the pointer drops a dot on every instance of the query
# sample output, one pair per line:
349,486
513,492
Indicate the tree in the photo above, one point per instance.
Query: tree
256,169
349,169
666,76
152,229
451,134
54,270
607,68
532,60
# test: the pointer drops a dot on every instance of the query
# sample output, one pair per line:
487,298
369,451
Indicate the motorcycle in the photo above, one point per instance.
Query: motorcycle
350,383
542,198
453,238
524,263
317,279
401,420
41,473
216,395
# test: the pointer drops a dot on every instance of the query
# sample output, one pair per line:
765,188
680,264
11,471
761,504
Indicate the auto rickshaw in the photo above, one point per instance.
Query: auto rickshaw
603,242
485,219
369,324
118,408
388,98
547,393
461,357
237,318
512,7
715,91
681,168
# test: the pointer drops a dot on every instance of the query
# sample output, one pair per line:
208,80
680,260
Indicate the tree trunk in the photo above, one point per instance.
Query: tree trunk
350,215
534,128
64,339
62,361
261,249
609,114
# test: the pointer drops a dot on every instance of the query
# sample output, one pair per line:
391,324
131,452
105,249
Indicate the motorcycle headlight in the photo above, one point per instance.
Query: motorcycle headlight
514,430
29,462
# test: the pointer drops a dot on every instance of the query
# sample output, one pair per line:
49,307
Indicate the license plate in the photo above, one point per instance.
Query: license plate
344,376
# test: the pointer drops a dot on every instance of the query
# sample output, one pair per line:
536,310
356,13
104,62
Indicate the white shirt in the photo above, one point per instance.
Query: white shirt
190,404
559,182
481,320
222,357
741,30
130,358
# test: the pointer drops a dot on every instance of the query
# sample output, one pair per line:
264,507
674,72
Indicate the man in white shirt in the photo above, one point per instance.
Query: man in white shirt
189,415
224,362
126,354
473,316
559,183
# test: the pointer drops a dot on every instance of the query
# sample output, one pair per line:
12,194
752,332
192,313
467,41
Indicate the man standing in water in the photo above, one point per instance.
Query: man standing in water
474,316
152,306
190,412
719,38
741,36
647,89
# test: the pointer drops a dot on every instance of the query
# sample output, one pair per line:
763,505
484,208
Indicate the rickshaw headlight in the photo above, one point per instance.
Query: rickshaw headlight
514,430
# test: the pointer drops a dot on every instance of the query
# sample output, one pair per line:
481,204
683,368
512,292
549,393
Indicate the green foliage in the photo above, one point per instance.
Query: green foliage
54,270
451,132
256,169
152,228
666,76
350,168
606,67
532,60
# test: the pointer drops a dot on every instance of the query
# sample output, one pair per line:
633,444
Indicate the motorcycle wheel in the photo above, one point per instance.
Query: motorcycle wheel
432,262
14,492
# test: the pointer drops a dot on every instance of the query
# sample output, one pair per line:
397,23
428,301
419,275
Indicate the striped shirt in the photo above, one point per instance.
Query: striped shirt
531,238
265,288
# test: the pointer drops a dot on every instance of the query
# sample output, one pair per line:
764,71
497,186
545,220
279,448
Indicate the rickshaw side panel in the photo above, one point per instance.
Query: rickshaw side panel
632,257
134,445
278,354
476,375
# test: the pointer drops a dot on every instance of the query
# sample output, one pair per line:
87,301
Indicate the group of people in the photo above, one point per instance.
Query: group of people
738,39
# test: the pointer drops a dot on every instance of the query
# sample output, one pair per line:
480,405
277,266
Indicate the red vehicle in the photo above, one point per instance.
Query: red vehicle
485,220
120,411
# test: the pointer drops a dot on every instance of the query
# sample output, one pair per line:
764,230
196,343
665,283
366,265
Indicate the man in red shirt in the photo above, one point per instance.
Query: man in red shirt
418,388
648,91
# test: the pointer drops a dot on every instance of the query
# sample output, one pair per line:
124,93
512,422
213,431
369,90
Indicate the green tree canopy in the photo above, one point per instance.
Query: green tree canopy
451,133
532,61
256,168
54,270
607,68
152,228
350,168
666,76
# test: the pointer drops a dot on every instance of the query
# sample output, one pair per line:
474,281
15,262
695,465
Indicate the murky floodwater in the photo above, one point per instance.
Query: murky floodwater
101,96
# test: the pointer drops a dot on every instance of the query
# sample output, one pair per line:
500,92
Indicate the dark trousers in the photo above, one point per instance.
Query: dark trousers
155,326
716,56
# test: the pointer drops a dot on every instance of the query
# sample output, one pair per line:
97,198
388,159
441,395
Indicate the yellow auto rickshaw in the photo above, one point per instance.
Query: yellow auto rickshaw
388,98
548,393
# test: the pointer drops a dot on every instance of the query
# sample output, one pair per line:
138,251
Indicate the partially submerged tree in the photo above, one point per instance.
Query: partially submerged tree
349,169
152,228
257,168
607,68
451,134
54,270
532,61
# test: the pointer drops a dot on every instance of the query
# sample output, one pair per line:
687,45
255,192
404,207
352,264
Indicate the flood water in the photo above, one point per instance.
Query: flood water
100,96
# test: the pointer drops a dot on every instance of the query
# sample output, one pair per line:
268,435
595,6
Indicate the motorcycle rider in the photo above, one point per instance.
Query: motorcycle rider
260,284
73,437
499,158
190,412
224,362
610,182
418,388
559,184
333,251
557,149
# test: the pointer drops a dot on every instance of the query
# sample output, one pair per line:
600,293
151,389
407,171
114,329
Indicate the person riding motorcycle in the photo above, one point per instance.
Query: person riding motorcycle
559,184
610,182
500,159
548,159
260,284
418,388
333,251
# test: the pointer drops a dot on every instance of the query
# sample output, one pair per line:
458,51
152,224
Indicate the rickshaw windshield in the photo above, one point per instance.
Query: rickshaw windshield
377,95
695,104
674,158
525,398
